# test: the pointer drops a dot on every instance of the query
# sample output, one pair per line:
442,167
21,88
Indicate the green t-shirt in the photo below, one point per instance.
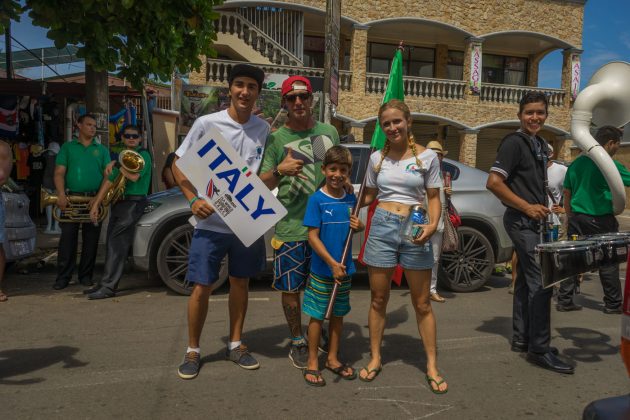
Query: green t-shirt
84,165
590,193
293,192
141,186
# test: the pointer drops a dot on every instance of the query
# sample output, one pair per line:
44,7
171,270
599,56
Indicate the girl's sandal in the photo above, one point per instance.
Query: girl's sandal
431,380
342,371
369,371
317,374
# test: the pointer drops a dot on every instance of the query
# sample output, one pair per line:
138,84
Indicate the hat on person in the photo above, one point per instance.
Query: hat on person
248,71
54,147
437,147
290,84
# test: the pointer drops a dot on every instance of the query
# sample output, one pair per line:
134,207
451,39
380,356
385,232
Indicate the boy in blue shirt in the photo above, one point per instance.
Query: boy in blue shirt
328,218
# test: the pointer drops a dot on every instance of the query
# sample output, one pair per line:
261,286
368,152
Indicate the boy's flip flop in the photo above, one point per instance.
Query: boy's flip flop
339,371
317,374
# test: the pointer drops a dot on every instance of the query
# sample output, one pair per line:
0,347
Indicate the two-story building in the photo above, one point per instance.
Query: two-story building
466,62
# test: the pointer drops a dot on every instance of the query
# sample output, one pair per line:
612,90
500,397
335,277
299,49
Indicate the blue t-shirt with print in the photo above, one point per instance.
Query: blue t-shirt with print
332,216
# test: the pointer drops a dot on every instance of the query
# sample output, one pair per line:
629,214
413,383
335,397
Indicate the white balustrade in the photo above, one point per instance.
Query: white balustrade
513,94
419,86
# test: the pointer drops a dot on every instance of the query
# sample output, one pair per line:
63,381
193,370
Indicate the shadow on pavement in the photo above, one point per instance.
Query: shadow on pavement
588,345
499,325
19,362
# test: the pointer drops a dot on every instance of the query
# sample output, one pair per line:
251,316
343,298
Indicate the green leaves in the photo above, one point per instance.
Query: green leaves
137,37
9,10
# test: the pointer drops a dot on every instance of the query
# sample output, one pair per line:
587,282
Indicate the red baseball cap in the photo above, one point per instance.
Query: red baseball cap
289,84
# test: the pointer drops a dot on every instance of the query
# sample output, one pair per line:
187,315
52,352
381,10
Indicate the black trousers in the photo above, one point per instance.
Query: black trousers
532,303
67,251
122,225
583,224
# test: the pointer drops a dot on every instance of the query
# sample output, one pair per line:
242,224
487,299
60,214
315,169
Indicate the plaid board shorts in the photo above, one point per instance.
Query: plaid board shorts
291,265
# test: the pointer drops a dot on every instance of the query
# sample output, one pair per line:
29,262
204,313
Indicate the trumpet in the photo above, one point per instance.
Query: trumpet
77,210
132,162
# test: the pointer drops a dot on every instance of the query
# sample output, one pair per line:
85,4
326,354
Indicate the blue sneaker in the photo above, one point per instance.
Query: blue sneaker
190,368
242,357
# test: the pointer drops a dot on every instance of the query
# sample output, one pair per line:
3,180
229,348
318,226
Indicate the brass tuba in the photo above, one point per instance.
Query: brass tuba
132,162
77,210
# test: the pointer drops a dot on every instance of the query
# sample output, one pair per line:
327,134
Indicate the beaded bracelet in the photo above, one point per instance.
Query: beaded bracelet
192,200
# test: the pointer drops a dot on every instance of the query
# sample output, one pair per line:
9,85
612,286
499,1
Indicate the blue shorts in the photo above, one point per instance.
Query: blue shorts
208,249
386,247
291,266
317,296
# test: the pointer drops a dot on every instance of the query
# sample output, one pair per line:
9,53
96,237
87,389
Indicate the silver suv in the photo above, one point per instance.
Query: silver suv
163,234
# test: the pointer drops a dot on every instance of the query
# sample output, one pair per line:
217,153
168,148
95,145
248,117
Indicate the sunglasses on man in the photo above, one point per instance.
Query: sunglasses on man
131,136
303,97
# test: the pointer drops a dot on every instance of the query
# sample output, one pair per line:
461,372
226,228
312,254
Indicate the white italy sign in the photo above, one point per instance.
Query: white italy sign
224,180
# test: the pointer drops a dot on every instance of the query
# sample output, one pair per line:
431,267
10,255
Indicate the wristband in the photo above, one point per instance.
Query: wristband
192,200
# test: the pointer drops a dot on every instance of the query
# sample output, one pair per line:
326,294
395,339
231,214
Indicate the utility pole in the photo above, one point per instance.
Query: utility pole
7,48
331,58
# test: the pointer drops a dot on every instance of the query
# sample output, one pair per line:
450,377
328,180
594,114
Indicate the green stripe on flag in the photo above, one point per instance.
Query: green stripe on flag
395,90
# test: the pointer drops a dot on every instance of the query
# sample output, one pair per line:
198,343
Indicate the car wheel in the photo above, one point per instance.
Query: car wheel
172,261
468,268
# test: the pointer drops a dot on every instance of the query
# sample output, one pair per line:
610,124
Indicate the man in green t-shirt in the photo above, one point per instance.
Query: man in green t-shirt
79,170
588,203
125,213
292,163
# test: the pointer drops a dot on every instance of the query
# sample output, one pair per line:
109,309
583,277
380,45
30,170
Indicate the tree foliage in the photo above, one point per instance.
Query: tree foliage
9,10
137,37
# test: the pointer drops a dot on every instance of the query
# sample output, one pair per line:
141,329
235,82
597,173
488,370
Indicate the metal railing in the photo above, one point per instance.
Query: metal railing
218,71
234,24
419,86
284,26
513,94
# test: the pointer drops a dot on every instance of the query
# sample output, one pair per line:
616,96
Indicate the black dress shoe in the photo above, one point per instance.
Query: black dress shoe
92,290
568,308
101,294
86,282
612,311
520,347
549,361
59,286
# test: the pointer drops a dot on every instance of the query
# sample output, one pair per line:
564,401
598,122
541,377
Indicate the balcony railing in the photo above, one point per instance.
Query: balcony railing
419,86
218,71
513,94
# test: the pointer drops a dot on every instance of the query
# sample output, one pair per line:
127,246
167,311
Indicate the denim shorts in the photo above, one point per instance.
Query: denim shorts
386,247
208,249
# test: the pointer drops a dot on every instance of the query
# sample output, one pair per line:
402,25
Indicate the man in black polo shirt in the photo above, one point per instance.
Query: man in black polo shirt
124,215
79,170
517,178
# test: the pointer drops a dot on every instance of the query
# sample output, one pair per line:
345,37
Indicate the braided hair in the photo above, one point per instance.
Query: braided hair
411,141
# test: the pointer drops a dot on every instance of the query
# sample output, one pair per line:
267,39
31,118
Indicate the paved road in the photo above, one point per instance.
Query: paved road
62,356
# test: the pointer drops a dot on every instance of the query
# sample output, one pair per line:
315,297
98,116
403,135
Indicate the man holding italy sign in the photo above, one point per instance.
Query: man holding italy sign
213,239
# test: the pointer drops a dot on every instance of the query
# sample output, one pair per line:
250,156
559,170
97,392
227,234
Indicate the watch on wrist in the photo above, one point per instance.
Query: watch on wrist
276,172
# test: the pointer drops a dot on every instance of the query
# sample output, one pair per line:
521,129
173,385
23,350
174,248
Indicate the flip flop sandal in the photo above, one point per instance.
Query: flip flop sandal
3,297
339,371
369,372
317,374
437,384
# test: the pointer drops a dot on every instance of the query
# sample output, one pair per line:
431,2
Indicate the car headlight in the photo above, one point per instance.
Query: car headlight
151,206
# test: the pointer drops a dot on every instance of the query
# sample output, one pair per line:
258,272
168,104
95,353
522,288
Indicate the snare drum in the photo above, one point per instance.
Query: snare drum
614,247
562,260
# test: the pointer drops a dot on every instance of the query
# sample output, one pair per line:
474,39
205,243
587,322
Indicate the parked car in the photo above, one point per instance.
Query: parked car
163,234
19,228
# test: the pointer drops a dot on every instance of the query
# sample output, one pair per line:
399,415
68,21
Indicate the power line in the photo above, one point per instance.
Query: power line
38,58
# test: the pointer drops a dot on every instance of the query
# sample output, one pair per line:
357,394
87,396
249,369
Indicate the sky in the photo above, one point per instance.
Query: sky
606,37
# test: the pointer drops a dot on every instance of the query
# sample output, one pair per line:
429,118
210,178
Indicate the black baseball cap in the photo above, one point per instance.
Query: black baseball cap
247,70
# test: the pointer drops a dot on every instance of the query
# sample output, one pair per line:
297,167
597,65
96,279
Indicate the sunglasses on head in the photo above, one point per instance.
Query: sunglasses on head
131,136
303,96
